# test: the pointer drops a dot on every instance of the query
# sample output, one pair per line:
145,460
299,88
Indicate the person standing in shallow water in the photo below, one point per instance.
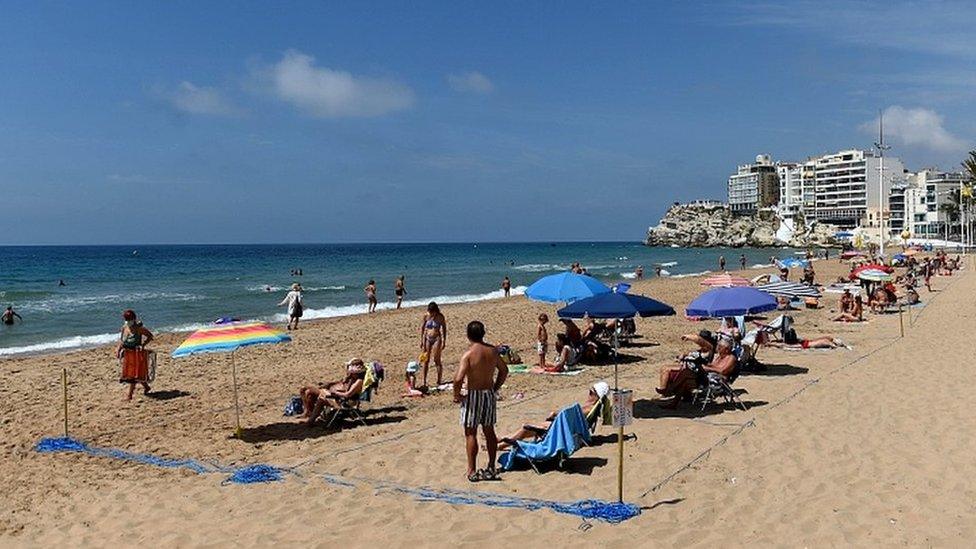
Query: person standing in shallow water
370,290
721,263
507,286
742,261
399,290
293,300
9,315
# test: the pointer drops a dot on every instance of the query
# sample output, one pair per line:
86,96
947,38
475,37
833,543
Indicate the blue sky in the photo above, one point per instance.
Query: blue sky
144,122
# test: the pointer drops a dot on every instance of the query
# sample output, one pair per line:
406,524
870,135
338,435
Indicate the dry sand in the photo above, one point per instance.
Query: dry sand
869,446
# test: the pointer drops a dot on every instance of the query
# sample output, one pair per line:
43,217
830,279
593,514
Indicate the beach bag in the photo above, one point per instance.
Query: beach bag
294,406
790,337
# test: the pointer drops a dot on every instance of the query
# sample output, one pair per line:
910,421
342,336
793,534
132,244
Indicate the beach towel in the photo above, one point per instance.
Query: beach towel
566,434
529,369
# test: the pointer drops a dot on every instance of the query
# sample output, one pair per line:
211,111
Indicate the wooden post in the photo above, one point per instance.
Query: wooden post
237,407
64,393
901,319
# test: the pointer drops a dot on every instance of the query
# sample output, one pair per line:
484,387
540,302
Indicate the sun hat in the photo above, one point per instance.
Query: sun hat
601,388
413,366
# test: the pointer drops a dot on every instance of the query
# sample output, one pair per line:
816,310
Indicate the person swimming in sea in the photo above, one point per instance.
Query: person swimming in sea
8,316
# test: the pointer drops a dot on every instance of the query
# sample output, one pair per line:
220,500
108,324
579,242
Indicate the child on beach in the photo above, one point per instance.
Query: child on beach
542,339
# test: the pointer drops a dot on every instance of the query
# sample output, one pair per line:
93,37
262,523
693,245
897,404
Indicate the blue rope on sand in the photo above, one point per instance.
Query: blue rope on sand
256,473
244,475
587,508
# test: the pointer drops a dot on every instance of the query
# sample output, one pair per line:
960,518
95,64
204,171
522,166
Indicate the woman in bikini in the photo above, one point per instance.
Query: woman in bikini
370,290
433,339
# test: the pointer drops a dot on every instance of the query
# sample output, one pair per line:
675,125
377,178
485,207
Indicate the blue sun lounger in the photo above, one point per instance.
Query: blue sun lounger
568,432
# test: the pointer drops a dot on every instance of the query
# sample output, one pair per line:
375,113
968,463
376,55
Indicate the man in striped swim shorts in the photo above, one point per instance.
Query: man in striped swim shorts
478,407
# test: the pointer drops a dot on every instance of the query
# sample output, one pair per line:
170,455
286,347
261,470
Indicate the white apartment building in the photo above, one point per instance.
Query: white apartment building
753,186
928,190
790,188
846,187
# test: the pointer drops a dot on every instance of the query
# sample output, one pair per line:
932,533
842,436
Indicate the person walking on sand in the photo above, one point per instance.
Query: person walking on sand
399,290
721,263
433,339
370,291
9,315
507,286
742,261
478,406
295,306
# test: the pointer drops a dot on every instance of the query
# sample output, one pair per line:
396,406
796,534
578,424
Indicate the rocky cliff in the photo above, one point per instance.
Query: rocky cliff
711,224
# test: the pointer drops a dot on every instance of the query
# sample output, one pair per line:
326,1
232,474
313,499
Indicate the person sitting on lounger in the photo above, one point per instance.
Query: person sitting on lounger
679,381
598,391
316,397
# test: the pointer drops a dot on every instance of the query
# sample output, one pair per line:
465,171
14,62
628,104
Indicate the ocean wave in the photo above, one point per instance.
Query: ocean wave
686,275
761,266
304,289
541,267
76,342
667,264
629,275
349,310
71,303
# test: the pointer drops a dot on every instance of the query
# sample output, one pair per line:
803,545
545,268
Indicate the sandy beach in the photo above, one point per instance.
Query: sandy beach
865,446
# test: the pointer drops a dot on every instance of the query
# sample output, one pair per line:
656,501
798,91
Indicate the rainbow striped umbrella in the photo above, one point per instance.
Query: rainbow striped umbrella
227,338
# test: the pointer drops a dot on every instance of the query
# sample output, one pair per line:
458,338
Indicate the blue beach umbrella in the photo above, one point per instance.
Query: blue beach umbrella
722,302
792,263
615,305
567,287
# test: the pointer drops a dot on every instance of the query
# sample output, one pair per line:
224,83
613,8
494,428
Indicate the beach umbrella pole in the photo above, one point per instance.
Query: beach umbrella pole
237,407
620,428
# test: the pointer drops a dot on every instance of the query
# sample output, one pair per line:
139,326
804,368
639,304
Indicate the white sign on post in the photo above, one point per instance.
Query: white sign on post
623,407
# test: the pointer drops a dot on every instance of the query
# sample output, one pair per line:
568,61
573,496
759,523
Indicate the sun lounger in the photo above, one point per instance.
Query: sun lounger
568,432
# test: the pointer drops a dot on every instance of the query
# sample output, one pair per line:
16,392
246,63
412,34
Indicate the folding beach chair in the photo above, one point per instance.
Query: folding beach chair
568,432
712,386
351,407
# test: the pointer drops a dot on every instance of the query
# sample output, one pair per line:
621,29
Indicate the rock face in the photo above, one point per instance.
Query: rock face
702,225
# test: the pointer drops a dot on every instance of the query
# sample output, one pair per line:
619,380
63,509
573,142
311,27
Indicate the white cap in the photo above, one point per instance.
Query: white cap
601,388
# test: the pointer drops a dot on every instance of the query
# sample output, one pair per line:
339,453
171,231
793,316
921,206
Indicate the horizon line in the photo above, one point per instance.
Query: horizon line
345,243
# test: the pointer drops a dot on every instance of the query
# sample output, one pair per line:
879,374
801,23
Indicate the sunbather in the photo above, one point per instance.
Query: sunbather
566,355
792,341
854,313
316,397
679,381
598,391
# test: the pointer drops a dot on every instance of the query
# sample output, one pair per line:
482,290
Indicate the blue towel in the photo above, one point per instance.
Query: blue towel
566,434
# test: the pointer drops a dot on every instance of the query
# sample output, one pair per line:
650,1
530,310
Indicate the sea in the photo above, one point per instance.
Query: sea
180,288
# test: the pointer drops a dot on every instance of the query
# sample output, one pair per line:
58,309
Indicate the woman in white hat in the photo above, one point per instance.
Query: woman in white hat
295,307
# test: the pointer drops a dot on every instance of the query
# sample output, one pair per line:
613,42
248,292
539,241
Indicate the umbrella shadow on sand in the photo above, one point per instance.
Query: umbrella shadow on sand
771,370
649,409
299,430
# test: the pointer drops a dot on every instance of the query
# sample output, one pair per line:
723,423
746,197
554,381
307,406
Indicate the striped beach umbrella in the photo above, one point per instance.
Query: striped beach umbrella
724,280
227,338
789,289
875,275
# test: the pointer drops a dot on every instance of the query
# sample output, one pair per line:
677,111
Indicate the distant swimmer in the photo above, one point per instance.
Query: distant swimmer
61,282
267,288
8,316
507,286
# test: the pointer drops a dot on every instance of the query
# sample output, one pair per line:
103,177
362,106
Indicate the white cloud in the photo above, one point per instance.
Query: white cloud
917,127
470,82
190,98
331,93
